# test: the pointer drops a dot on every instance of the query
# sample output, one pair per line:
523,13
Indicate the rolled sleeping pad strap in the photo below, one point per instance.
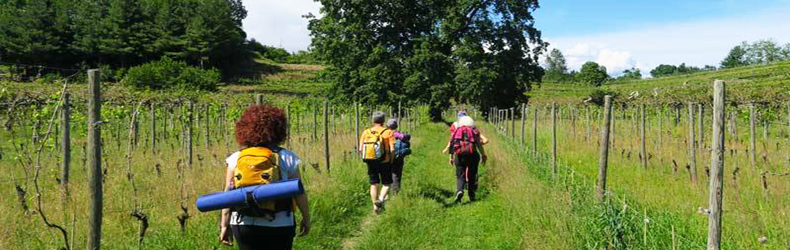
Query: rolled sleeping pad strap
261,193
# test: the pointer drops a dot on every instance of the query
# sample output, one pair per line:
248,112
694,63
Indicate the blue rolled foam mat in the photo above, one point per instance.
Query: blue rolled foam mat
261,193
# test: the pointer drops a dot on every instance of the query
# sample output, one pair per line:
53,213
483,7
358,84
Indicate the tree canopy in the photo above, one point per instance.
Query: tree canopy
483,52
556,67
123,33
592,73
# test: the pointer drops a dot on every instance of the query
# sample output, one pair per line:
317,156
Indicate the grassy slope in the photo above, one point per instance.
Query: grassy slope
752,83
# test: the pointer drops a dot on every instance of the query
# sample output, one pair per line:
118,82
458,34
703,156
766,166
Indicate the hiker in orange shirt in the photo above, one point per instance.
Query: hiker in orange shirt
376,145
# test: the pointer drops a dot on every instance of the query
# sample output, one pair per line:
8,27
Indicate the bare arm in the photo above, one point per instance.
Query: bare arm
302,204
225,235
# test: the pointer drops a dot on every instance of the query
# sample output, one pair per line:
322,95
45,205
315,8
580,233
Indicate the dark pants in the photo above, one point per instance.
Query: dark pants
257,237
466,172
380,173
397,174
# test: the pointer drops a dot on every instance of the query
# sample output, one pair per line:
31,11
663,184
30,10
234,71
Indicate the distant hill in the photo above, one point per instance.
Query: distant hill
763,83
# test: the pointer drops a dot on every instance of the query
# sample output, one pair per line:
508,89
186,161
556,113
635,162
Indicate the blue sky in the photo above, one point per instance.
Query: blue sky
617,34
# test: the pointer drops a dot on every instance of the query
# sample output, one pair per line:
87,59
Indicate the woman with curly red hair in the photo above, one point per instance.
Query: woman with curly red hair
260,131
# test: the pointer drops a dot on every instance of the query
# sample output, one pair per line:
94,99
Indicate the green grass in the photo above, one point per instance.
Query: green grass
761,83
514,210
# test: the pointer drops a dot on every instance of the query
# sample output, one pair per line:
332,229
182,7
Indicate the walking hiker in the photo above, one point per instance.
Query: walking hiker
400,151
466,150
376,145
463,113
272,224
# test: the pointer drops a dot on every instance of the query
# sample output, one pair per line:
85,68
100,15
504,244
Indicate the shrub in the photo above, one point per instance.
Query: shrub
597,96
170,74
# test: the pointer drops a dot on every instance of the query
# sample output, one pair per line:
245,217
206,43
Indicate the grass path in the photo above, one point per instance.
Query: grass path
514,210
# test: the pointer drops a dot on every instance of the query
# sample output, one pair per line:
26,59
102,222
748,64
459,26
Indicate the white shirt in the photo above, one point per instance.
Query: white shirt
289,164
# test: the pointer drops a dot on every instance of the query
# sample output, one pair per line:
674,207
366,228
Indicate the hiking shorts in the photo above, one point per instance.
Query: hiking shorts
380,173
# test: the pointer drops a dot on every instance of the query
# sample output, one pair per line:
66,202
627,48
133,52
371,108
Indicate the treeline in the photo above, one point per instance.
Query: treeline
760,52
281,55
124,33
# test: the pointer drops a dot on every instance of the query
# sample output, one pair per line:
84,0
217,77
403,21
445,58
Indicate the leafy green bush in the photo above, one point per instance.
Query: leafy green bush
169,74
597,96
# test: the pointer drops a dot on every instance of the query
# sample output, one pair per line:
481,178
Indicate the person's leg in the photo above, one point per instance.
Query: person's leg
375,180
474,162
397,173
460,170
386,179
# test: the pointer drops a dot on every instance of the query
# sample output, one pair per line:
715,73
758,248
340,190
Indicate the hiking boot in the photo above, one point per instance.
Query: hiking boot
378,206
471,197
459,196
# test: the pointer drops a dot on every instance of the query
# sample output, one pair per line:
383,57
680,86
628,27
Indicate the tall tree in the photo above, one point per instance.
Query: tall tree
592,73
484,52
555,62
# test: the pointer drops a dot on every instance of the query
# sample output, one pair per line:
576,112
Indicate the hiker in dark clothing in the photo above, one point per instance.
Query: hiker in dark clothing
466,150
400,151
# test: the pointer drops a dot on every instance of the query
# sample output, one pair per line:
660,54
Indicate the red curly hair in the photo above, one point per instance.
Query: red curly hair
262,126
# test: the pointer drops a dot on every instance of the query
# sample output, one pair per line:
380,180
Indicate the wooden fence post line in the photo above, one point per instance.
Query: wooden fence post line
589,122
554,139
513,122
94,160
692,145
752,134
535,132
315,123
716,166
153,128
66,144
523,115
207,123
613,127
356,139
259,99
643,136
190,132
701,118
603,160
326,134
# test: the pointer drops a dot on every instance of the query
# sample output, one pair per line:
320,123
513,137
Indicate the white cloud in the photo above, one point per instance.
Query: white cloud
280,23
615,61
696,43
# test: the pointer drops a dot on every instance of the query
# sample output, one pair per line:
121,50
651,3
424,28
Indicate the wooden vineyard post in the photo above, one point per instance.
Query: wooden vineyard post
315,123
643,136
513,122
554,139
356,139
207,122
603,160
288,125
399,113
66,144
613,128
589,122
716,167
190,132
94,160
692,145
259,99
661,127
523,115
326,134
752,134
153,128
701,118
535,132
